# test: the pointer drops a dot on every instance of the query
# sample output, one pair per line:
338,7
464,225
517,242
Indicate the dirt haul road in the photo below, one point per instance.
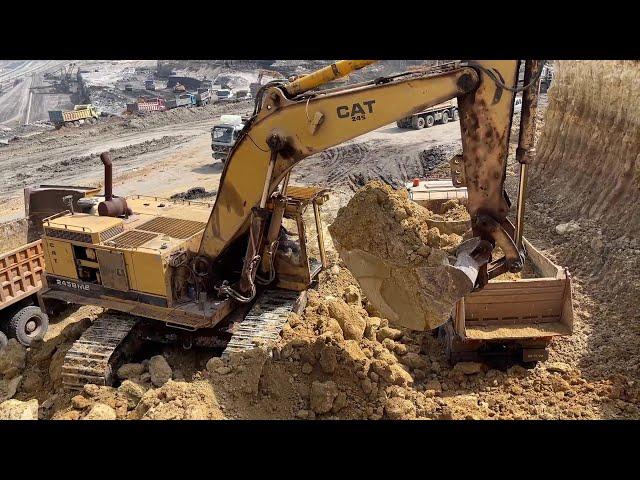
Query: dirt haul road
148,154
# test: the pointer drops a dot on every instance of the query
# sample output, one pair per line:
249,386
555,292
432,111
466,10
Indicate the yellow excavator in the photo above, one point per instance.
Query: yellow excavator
244,262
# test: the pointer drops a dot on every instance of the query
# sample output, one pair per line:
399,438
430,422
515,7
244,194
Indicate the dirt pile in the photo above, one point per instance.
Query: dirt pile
181,115
194,194
401,263
13,234
351,165
584,190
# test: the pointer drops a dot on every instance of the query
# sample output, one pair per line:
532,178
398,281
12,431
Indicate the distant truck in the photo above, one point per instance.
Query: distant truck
224,95
79,114
443,113
147,105
224,135
184,100
150,85
203,97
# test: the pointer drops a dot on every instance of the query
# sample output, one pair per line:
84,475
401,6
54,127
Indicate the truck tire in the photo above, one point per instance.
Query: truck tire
399,124
429,120
418,123
3,340
456,115
28,324
445,117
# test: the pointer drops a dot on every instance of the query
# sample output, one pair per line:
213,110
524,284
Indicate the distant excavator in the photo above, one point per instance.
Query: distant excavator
245,260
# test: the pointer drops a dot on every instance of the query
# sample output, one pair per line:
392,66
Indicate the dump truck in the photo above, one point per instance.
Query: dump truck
184,100
224,135
443,113
23,313
150,105
510,317
203,96
79,114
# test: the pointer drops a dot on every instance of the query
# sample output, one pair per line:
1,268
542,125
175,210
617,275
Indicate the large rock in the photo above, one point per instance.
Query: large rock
247,369
328,359
414,361
400,409
132,392
393,374
322,396
9,387
159,370
350,321
130,370
468,368
566,228
388,332
351,294
17,410
12,357
355,353
100,411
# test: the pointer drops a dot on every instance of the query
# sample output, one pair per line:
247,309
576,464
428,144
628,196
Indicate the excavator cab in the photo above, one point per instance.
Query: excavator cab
295,259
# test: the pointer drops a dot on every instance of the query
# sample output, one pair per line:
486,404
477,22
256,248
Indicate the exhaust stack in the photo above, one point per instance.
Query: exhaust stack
112,206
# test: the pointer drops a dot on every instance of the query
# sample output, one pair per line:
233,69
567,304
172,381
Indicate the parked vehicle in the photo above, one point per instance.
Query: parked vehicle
224,95
203,97
224,135
128,87
150,85
184,100
443,113
147,105
79,114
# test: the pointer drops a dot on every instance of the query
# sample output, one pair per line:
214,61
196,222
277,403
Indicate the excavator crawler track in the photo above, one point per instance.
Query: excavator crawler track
264,322
95,354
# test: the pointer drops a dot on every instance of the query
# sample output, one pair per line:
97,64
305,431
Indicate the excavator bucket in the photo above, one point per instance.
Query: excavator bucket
411,272
419,298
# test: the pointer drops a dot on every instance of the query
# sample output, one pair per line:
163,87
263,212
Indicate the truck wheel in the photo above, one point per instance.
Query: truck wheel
418,123
456,115
28,324
3,340
399,124
445,118
430,121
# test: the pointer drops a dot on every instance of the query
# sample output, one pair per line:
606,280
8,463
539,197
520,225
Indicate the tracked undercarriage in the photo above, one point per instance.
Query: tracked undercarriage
112,339
95,356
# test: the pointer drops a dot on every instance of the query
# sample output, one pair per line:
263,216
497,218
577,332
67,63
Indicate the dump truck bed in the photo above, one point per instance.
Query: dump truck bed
21,272
515,309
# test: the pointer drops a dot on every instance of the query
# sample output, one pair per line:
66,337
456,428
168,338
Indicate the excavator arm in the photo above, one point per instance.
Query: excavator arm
292,122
